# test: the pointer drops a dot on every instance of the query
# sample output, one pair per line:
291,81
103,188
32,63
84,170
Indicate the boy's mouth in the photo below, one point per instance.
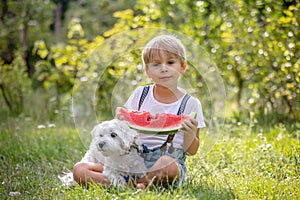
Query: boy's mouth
165,77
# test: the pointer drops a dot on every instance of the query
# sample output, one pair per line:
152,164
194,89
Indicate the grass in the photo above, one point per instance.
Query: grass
242,164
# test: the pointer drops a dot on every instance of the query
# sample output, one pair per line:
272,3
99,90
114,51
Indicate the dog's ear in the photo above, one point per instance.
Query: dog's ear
95,130
128,135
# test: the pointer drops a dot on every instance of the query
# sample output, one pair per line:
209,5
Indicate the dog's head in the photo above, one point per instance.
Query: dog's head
113,137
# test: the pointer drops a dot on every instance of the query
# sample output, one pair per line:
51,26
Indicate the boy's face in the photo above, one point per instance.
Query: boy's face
165,68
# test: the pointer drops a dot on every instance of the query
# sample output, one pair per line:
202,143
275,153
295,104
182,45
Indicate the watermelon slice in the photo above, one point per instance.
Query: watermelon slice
160,123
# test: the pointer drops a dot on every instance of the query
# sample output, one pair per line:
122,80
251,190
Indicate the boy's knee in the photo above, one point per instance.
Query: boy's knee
167,161
170,167
79,172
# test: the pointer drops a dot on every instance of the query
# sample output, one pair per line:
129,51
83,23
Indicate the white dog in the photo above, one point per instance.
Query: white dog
114,145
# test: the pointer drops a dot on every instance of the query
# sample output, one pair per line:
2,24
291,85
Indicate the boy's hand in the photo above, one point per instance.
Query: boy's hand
189,127
191,136
118,115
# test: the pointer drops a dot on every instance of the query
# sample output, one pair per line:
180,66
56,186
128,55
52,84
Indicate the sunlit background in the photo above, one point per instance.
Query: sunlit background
244,66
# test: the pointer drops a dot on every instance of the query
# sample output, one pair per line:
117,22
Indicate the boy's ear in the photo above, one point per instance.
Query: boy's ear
183,68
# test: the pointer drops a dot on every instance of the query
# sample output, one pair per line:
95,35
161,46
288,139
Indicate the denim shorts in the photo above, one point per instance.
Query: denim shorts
152,155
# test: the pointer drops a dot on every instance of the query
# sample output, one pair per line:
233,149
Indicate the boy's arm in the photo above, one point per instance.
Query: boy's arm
191,136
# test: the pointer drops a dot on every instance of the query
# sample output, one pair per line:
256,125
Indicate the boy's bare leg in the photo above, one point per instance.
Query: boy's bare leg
165,170
85,173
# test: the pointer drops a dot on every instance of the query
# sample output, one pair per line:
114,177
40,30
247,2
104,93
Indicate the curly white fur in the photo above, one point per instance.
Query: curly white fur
114,145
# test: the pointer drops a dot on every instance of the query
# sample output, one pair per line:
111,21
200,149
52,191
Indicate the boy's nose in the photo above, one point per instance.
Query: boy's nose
164,67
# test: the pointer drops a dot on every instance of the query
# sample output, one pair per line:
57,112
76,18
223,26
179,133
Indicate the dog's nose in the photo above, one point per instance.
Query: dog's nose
101,144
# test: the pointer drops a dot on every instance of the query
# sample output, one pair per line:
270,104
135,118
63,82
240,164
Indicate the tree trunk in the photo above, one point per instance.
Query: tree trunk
23,37
4,10
57,23
24,41
6,99
240,84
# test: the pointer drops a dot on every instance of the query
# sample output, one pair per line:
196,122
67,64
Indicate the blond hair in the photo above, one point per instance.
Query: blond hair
168,43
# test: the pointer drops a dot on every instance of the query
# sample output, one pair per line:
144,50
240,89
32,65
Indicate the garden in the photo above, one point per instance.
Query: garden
66,65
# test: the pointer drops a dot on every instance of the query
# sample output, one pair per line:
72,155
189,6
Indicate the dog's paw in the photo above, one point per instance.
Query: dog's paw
67,179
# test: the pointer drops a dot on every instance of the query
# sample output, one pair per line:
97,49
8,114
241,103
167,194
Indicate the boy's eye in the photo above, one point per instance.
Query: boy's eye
171,62
155,64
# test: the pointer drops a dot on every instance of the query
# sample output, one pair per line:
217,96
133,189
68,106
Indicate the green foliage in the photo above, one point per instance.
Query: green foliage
20,21
95,16
14,84
256,44
57,68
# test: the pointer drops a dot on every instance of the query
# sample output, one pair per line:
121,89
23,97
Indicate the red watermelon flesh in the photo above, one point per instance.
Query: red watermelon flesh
144,121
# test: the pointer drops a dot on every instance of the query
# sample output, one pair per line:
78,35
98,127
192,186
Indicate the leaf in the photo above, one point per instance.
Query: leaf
123,14
43,53
60,60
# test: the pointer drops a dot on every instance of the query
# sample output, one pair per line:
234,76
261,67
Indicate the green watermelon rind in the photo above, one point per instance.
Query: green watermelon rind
152,131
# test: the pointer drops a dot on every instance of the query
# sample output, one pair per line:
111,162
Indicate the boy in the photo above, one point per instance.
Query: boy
164,59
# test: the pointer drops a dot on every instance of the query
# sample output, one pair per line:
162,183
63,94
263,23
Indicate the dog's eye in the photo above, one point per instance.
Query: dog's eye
113,135
100,135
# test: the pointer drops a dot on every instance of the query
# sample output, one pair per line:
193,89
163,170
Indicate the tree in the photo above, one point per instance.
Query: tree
19,21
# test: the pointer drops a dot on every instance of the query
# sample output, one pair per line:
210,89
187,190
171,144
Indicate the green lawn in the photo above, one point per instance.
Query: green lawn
242,164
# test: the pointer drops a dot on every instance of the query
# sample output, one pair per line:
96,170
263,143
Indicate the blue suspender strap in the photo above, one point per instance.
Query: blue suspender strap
183,104
143,96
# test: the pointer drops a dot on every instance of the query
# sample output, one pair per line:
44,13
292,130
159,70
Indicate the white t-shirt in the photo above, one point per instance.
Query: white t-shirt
153,106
